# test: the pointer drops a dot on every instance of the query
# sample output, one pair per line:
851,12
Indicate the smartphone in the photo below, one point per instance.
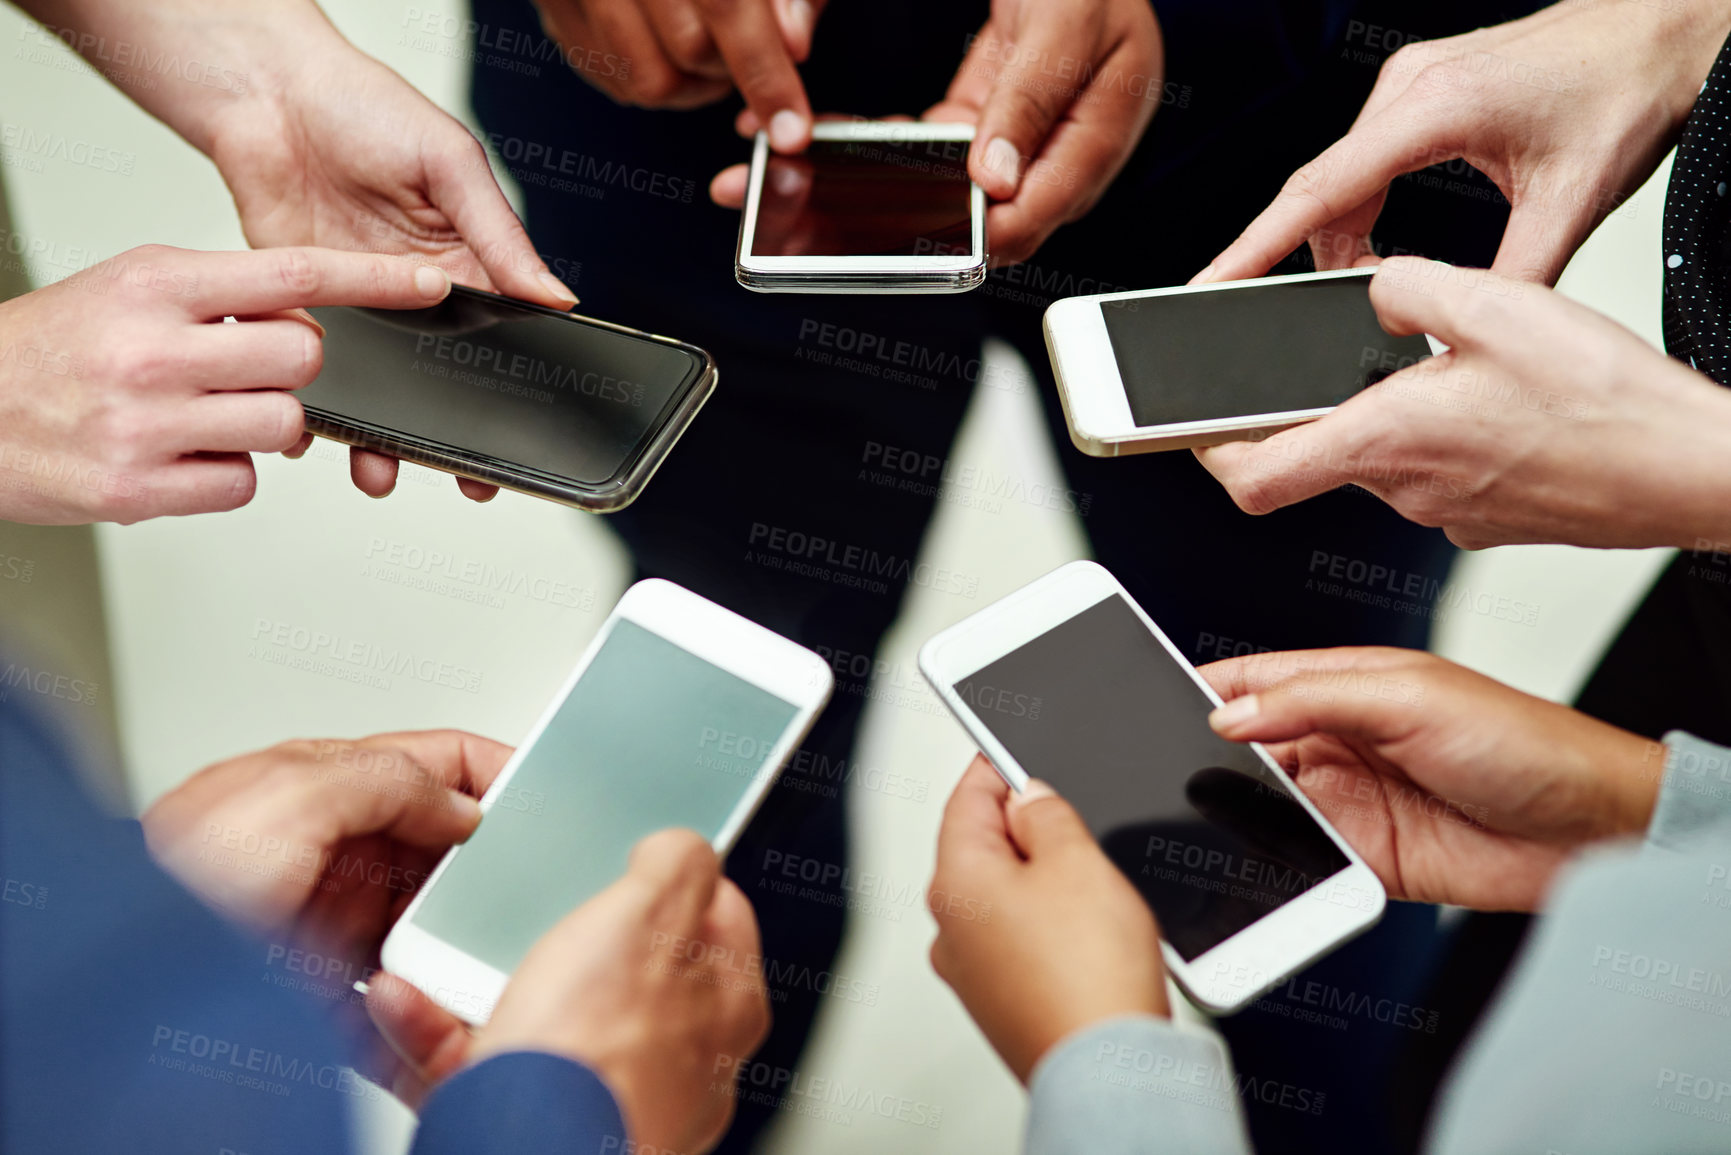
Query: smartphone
567,408
869,207
1068,680
680,713
1200,365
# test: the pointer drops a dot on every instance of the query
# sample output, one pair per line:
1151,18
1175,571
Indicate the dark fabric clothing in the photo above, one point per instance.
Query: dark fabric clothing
815,393
1668,668
134,1020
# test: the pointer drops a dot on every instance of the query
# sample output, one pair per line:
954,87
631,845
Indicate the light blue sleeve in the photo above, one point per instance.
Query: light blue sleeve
1613,1035
1133,1085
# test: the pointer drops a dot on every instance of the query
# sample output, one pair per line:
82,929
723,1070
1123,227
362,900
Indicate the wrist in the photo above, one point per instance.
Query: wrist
1699,461
278,55
1633,770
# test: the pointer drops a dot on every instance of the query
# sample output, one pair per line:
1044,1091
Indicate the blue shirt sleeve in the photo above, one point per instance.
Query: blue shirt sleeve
522,1103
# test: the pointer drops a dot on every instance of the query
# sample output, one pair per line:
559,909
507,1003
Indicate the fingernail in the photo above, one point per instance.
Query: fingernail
309,319
432,282
800,16
1235,713
1003,159
558,288
363,987
786,130
786,179
1032,792
465,807
1204,276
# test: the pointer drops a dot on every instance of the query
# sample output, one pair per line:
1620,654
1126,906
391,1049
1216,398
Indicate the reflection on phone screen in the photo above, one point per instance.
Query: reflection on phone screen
1100,709
866,198
1262,349
652,736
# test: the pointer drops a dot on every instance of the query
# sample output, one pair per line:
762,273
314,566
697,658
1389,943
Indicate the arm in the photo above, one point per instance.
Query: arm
524,1103
1081,1015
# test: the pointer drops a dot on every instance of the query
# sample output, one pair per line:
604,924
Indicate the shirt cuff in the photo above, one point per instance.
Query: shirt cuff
1125,1083
1694,794
522,1103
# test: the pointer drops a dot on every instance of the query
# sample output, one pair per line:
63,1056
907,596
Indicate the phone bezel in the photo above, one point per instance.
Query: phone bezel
468,987
1231,974
615,493
1091,390
943,270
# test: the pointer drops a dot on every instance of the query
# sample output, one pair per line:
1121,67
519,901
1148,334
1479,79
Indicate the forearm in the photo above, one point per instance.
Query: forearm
193,64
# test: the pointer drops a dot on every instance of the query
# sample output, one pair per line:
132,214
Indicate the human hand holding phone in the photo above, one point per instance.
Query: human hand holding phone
1453,787
1567,111
126,396
1543,422
1038,933
617,986
324,842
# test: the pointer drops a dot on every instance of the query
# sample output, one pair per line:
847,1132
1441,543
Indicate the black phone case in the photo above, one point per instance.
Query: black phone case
615,493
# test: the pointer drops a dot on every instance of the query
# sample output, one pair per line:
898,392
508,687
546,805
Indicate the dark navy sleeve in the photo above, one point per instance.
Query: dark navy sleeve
522,1103
131,1018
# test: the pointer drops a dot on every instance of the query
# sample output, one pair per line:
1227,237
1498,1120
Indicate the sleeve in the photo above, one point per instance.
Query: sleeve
1694,792
1609,1036
1135,1084
523,1103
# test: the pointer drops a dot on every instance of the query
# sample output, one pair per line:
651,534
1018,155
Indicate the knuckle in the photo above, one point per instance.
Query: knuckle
234,490
652,84
297,272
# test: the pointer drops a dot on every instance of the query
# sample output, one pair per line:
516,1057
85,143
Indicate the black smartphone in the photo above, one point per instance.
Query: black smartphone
558,406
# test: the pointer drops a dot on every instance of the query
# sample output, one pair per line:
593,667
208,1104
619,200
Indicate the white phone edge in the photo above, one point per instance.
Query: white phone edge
1258,958
1096,406
941,273
470,988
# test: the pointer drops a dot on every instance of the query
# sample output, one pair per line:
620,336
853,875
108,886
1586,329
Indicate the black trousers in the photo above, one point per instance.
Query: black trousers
795,449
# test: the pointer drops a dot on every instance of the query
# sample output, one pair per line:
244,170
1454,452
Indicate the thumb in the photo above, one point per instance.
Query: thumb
1020,111
431,1041
1043,824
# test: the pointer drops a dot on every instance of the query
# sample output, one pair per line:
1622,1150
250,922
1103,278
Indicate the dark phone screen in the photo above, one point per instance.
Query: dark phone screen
1100,709
485,377
1263,349
858,198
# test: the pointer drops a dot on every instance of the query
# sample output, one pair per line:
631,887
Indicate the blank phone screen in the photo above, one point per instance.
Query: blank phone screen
1101,710
854,198
651,736
1263,349
479,375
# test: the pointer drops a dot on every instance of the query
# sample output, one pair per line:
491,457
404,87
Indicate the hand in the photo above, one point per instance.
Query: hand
1046,144
1545,422
1060,95
1038,933
1454,788
688,53
335,149
1568,111
125,396
326,841
654,984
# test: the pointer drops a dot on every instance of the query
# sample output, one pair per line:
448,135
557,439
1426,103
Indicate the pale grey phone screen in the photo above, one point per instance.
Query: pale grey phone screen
651,736
1262,349
1100,709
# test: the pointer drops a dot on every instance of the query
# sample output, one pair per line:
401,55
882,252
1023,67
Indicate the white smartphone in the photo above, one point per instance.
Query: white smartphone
1068,680
869,207
1201,365
680,713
